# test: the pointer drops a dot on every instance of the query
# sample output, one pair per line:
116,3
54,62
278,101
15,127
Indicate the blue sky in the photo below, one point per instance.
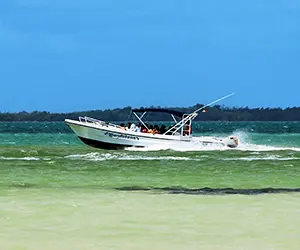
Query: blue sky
73,55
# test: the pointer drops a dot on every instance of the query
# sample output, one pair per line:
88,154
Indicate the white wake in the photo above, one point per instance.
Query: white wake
245,144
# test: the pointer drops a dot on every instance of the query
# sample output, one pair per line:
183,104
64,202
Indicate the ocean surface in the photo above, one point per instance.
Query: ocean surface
57,193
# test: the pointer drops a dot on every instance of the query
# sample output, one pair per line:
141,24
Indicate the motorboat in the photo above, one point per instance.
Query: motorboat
106,135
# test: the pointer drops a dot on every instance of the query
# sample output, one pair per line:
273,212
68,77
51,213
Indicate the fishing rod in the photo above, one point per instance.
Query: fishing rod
211,103
194,114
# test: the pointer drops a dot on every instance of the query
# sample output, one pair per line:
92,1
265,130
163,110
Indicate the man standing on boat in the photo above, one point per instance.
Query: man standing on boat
188,129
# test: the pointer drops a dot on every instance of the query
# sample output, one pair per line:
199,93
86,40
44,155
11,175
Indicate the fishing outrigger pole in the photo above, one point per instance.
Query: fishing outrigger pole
193,115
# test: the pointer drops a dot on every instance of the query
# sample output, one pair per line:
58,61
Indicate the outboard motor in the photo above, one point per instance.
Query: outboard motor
232,141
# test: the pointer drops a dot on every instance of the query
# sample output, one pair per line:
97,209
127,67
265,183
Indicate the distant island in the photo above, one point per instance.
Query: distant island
215,113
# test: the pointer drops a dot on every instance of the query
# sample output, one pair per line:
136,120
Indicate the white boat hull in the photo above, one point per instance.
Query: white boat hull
102,135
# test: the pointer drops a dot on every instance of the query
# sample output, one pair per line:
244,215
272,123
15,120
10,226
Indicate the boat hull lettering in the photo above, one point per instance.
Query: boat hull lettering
118,136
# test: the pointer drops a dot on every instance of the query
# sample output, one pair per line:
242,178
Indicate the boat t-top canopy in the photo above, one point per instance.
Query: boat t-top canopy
185,118
160,110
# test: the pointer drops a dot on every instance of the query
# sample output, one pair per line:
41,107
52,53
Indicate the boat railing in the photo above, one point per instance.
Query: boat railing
96,121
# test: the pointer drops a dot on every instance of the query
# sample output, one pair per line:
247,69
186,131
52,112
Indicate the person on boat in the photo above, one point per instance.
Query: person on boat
132,127
138,127
188,129
144,129
150,130
122,126
162,129
155,129
128,126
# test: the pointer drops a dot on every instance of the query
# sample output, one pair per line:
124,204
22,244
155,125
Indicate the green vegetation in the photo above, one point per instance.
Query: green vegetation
215,113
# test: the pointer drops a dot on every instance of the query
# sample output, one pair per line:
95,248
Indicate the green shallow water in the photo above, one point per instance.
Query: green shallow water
83,167
56,193
94,219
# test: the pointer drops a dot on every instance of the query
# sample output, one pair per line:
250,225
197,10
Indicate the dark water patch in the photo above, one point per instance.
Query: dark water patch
165,190
23,185
137,188
212,191
34,127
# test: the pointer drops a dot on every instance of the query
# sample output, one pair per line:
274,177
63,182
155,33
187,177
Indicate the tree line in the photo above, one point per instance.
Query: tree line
215,113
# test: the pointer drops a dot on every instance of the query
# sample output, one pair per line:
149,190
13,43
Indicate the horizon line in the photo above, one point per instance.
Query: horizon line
89,110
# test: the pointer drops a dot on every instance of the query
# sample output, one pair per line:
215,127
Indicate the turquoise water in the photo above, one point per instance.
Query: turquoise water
57,193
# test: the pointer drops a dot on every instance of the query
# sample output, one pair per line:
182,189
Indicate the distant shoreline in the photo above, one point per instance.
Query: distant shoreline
215,113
